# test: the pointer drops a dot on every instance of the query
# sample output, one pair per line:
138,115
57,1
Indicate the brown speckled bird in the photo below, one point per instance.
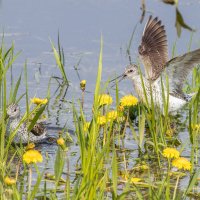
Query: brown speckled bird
22,135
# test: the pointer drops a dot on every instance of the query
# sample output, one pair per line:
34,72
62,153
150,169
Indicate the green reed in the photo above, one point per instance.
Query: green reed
9,94
103,162
7,58
60,60
92,153
97,180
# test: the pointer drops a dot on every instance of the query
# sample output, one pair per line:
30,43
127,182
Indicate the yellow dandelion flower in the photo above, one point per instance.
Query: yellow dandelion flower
83,84
135,180
129,100
60,141
9,181
32,156
105,99
112,115
171,153
101,120
132,180
30,146
86,126
181,163
39,101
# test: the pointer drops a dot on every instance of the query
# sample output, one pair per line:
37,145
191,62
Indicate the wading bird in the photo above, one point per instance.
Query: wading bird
163,79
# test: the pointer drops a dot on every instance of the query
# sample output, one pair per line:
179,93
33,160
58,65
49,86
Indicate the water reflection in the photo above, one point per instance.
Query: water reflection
60,93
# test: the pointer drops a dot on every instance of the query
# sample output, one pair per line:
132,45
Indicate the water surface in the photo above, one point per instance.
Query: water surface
32,24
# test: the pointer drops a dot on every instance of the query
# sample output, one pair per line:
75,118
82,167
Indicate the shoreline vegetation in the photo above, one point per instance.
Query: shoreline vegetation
102,171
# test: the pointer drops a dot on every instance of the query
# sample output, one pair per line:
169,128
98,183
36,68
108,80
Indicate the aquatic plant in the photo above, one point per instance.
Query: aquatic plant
105,99
171,153
38,101
32,156
128,100
181,163
106,167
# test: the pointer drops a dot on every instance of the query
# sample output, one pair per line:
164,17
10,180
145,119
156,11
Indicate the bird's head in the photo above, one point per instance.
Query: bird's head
131,71
13,111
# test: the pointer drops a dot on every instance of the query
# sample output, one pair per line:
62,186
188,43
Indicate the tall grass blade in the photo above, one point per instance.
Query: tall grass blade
13,99
114,172
59,63
192,183
36,117
98,80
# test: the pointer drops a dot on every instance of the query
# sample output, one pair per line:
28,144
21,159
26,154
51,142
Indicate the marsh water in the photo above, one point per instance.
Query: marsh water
30,25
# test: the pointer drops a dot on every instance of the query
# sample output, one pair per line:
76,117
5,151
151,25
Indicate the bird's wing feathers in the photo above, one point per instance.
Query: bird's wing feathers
153,49
38,129
178,68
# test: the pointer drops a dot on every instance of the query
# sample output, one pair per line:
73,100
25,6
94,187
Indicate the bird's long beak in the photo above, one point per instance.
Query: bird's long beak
119,78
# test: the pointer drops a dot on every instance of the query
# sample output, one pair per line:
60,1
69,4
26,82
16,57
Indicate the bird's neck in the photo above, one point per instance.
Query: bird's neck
140,84
138,79
15,119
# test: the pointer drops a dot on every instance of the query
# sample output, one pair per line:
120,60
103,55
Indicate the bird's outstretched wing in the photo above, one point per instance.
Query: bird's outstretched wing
178,68
153,49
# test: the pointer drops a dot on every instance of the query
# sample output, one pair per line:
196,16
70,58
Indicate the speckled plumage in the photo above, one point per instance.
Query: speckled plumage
22,135
153,52
154,89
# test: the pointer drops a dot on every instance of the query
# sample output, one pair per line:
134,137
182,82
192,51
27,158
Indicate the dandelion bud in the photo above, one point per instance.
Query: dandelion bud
9,181
61,143
82,85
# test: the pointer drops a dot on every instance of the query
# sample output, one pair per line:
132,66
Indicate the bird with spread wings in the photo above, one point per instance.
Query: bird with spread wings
153,51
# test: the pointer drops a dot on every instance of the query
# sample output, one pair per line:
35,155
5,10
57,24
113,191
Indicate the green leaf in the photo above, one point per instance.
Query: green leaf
59,61
36,187
98,80
180,23
171,2
36,117
192,182
16,89
59,164
114,172
141,129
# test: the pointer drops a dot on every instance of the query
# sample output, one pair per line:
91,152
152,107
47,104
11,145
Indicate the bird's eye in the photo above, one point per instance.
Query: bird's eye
131,70
15,109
